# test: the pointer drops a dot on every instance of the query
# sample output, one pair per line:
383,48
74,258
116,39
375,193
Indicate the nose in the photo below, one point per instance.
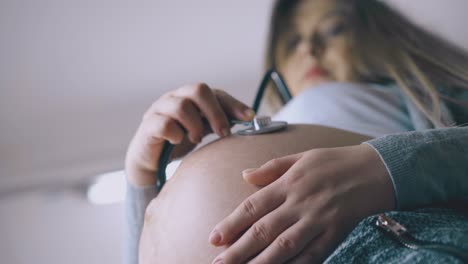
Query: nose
310,47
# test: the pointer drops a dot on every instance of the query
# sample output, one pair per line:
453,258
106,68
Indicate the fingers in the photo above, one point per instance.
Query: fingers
233,107
190,112
289,243
195,107
271,170
247,213
258,237
205,100
317,250
159,127
184,111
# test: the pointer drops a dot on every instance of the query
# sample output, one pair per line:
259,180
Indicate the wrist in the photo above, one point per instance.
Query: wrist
382,185
139,176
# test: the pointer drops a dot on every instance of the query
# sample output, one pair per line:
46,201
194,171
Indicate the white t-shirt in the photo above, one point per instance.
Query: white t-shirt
367,109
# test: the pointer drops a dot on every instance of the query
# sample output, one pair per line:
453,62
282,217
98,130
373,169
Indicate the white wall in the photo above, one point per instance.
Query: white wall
75,77
446,18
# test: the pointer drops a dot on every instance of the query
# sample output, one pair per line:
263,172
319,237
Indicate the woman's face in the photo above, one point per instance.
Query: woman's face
317,49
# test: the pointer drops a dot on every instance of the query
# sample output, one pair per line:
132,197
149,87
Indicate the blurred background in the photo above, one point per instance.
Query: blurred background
75,79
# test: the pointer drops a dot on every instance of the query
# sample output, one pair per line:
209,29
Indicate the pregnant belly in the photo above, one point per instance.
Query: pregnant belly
208,186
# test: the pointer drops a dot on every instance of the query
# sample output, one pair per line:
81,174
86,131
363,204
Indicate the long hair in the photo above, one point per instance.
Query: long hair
387,46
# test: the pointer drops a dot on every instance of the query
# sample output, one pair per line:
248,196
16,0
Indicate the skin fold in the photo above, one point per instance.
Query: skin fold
208,186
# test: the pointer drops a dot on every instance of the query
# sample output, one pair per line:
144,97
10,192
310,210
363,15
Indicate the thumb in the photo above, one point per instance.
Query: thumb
270,171
233,107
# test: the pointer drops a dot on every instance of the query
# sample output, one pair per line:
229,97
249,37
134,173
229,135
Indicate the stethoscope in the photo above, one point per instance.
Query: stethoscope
259,124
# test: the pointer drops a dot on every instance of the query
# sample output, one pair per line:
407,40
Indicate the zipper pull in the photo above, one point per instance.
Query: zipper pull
390,225
401,234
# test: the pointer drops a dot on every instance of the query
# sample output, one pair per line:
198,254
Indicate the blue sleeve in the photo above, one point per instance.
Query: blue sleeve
136,201
426,167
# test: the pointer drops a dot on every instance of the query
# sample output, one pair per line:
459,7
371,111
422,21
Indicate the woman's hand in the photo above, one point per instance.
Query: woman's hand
183,117
312,201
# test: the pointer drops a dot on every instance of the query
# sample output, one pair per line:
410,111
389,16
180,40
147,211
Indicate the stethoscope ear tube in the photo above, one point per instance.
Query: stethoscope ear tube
281,86
163,161
285,96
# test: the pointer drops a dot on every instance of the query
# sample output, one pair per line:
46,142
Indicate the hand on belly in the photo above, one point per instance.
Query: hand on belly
311,202
208,186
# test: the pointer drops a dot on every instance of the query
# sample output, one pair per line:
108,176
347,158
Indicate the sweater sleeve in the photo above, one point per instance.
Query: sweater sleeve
136,201
426,167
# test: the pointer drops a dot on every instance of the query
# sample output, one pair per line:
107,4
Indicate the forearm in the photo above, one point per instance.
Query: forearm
427,167
136,200
141,189
144,173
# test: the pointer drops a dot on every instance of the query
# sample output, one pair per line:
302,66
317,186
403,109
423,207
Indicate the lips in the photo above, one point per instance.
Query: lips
315,72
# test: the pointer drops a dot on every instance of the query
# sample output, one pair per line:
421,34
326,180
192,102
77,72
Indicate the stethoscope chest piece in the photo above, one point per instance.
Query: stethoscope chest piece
262,125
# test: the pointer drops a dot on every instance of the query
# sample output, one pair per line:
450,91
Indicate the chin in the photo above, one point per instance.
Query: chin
314,83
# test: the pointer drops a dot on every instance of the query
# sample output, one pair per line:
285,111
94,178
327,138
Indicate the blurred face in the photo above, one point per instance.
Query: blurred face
317,49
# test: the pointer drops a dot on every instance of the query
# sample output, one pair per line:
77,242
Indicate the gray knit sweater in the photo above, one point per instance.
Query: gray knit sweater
427,167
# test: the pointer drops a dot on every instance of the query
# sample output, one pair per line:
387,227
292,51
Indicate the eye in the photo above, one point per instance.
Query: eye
292,41
335,30
332,31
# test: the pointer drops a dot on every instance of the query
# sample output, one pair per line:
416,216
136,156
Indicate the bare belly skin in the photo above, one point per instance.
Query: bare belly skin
208,186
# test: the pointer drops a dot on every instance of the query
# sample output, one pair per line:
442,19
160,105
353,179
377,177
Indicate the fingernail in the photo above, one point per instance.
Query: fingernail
247,171
215,238
225,132
249,113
